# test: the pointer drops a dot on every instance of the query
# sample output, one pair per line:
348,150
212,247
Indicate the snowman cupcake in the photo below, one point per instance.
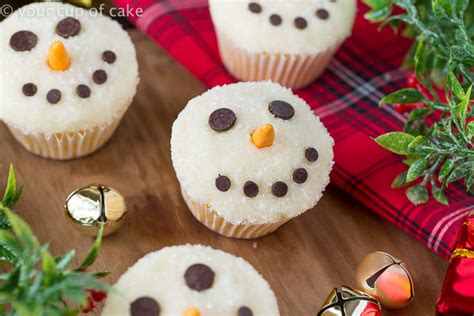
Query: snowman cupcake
249,157
71,77
191,281
290,42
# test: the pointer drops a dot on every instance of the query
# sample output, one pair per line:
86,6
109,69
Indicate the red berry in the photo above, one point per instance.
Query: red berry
469,120
412,81
416,105
401,108
98,296
90,305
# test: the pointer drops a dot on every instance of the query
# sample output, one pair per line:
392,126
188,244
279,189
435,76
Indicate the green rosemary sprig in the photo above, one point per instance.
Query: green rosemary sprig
437,139
37,283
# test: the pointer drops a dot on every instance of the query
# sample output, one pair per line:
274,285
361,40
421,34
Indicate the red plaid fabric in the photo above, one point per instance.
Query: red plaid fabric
345,97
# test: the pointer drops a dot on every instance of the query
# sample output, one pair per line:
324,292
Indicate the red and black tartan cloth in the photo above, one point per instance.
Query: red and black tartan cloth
345,98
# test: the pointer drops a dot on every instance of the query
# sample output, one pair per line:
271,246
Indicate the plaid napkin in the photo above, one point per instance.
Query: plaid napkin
345,98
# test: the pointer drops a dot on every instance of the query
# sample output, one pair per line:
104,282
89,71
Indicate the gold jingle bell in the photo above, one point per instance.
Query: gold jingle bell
385,278
94,204
349,302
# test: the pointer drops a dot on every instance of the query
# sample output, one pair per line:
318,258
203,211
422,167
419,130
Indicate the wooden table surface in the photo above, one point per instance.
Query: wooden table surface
302,261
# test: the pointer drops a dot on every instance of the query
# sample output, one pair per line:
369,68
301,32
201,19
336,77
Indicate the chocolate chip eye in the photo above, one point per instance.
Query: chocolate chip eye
68,27
281,109
323,14
279,189
222,119
23,41
144,306
222,183
275,19
255,7
300,23
199,277
244,311
251,189
29,89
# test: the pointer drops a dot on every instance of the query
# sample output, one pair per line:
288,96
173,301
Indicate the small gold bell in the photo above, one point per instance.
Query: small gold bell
385,278
94,204
349,302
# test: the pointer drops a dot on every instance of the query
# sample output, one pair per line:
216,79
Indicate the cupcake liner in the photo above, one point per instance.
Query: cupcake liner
213,221
291,70
66,145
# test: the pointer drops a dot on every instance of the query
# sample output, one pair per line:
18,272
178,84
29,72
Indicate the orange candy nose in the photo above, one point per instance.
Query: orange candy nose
264,136
192,311
58,58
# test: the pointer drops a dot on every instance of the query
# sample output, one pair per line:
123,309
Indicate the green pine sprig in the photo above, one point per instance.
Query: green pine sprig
437,139
36,282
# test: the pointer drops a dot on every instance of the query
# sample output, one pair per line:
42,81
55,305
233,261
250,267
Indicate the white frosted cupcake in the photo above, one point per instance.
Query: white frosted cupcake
289,42
69,78
191,281
249,157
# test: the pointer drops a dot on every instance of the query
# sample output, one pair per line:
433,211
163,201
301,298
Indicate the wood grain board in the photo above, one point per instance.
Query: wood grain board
302,261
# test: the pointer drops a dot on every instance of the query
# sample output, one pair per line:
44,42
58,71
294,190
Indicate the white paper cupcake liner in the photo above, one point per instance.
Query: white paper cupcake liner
66,145
212,220
291,70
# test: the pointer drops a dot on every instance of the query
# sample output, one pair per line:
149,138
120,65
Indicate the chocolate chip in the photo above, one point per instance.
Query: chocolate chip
222,119
109,57
279,189
199,277
275,19
53,96
144,306
68,27
251,189
23,41
244,311
29,89
323,14
255,7
300,23
281,109
99,76
83,91
311,154
222,183
300,175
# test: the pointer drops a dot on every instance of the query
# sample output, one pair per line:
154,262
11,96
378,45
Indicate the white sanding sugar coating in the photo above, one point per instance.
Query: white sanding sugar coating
107,101
160,275
200,154
254,32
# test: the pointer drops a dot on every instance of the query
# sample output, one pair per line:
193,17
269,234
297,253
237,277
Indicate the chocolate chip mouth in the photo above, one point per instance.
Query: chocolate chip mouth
278,189
26,40
300,23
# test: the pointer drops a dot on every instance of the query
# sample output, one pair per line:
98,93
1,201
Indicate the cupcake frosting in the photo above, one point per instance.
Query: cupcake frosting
254,152
181,279
297,26
88,81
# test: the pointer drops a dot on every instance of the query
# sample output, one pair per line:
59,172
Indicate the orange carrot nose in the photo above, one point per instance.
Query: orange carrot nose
264,136
58,58
192,311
